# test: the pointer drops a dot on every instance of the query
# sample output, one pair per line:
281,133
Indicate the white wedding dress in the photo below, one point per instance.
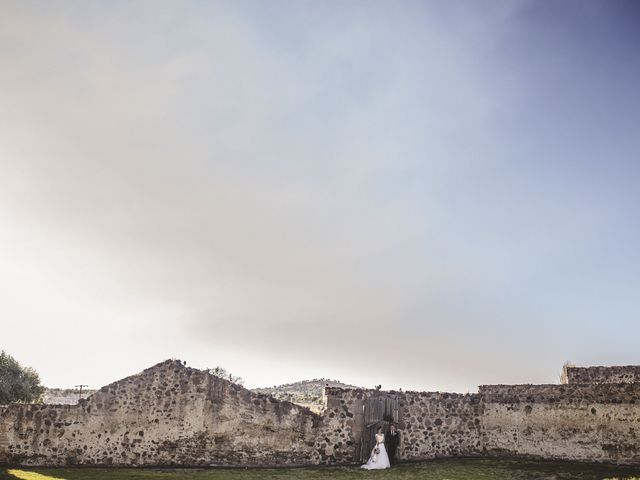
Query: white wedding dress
378,460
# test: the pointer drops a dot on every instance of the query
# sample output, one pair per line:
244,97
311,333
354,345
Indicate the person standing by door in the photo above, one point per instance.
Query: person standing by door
392,440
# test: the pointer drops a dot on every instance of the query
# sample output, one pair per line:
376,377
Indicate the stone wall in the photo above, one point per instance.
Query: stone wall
599,423
439,425
168,414
174,415
623,374
432,424
341,428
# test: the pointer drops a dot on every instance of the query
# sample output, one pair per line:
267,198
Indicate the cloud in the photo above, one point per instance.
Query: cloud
293,190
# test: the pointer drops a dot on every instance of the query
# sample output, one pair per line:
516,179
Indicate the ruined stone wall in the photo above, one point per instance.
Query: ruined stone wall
623,374
570,422
340,431
431,424
599,422
174,415
437,425
168,414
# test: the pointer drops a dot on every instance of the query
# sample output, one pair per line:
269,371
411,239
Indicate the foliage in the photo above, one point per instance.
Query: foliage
18,383
224,373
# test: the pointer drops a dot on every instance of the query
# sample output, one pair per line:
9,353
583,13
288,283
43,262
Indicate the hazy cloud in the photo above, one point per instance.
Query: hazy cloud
289,191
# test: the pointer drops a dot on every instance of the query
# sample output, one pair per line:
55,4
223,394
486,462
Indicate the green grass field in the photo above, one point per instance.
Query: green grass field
459,469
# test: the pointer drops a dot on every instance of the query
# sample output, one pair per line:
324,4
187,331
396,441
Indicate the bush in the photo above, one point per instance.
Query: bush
18,383
223,373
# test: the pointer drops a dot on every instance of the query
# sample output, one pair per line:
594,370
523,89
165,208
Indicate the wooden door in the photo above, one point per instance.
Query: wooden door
379,411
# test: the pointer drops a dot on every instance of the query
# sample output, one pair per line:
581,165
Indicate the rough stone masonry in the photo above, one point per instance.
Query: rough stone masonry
173,415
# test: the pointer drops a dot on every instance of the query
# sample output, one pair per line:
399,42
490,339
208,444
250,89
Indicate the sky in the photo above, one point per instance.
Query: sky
423,195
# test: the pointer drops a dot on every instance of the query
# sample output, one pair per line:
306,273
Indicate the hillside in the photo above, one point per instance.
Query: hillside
64,396
307,393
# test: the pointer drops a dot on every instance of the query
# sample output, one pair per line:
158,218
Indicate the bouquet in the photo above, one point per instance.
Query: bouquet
376,450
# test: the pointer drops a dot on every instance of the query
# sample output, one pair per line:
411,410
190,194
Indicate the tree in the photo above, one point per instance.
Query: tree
223,373
18,383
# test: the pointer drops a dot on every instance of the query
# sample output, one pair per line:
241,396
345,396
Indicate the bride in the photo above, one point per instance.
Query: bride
379,458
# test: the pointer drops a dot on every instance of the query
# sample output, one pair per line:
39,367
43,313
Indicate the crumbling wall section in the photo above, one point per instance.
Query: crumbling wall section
167,415
588,375
597,423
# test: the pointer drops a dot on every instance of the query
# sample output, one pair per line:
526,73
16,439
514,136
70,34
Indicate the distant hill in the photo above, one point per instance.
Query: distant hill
307,393
64,396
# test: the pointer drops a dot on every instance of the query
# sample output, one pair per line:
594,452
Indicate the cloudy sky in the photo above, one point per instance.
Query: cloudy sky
428,195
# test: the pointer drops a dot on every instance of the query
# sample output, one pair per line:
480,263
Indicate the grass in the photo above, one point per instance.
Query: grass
458,469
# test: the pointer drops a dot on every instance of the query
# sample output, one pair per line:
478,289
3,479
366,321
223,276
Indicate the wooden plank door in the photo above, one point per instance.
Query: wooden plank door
379,411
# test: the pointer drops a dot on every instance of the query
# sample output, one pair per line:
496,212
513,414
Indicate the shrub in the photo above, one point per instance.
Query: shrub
18,383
